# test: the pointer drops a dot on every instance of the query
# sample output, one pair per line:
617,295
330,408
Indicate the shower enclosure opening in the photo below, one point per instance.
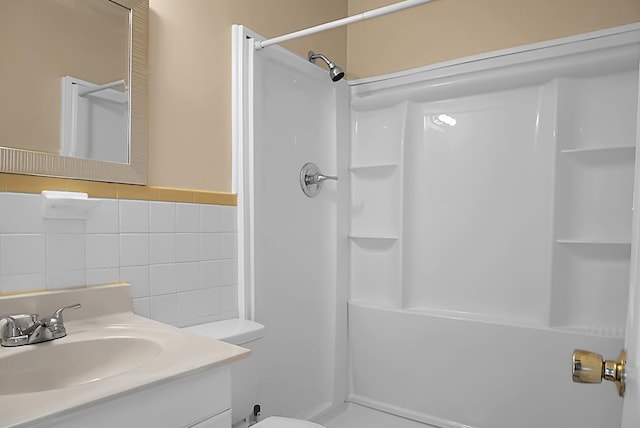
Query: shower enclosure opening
481,213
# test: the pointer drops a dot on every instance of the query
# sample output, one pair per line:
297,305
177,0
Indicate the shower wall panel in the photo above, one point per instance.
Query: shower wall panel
506,244
297,118
465,187
478,222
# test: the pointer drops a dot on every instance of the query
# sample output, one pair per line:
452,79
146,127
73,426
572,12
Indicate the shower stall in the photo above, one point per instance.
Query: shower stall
480,230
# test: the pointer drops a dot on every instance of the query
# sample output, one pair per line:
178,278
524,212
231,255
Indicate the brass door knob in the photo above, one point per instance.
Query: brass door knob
589,367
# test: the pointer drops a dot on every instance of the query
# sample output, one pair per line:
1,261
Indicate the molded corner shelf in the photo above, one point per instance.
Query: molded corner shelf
598,149
375,237
592,242
373,167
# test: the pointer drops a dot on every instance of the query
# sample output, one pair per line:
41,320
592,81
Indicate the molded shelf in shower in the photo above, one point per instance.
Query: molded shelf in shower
360,236
596,150
598,111
592,242
599,158
590,280
373,167
594,194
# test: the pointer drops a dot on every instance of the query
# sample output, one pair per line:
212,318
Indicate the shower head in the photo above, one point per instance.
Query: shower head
335,72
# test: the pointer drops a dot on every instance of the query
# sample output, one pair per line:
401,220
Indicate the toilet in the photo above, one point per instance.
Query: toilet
245,374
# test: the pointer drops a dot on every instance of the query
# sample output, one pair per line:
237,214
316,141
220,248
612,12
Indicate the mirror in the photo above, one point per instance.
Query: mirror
98,49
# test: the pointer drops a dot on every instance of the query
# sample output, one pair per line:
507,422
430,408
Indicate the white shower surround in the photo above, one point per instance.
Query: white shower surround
491,226
469,319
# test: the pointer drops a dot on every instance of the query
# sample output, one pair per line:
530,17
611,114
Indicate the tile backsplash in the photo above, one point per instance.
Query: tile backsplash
180,258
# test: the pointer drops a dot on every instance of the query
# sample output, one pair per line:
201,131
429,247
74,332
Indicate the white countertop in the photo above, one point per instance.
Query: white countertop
179,353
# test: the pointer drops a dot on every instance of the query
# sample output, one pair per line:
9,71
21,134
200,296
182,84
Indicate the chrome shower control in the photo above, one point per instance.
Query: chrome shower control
311,179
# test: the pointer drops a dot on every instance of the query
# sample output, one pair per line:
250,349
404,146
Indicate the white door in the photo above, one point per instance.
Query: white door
631,406
590,368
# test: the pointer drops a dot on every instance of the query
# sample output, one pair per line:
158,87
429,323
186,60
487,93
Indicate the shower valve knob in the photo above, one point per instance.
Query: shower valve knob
311,179
319,178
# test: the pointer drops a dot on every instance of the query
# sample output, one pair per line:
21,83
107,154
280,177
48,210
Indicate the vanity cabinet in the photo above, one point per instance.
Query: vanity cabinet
201,399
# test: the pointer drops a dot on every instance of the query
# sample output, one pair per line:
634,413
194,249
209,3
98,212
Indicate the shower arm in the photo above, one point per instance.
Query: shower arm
313,56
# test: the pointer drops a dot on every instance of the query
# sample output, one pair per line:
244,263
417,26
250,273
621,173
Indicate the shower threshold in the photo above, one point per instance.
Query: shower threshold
357,416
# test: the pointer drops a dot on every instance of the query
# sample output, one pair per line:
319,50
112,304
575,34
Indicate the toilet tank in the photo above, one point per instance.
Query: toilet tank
245,374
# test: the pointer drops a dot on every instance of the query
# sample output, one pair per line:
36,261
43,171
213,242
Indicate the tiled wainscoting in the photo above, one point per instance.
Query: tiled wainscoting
180,258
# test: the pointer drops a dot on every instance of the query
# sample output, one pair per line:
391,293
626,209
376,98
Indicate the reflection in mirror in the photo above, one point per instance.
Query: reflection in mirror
74,88
95,120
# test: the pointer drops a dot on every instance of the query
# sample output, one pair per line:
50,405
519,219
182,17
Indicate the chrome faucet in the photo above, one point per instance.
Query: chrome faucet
24,329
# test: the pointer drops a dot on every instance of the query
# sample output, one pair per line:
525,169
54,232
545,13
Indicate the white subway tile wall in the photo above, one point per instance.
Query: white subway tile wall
180,259
104,218
162,217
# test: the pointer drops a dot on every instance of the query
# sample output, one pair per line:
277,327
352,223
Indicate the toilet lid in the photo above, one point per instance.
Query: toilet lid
278,422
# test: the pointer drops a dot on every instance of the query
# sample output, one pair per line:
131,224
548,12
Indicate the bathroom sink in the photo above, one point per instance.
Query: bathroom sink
63,364
107,354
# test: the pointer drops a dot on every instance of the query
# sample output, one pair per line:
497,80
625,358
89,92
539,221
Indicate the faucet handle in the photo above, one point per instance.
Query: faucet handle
58,314
12,334
12,328
55,323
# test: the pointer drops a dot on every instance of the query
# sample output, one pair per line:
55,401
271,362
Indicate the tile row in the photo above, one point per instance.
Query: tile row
22,213
180,259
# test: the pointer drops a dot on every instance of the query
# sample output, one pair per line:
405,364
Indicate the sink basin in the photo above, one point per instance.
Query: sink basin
63,364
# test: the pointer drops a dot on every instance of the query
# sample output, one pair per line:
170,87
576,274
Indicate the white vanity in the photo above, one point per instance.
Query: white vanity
113,368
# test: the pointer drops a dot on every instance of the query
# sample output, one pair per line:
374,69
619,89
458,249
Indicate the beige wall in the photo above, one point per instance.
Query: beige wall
449,29
41,41
190,58
190,61
190,78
